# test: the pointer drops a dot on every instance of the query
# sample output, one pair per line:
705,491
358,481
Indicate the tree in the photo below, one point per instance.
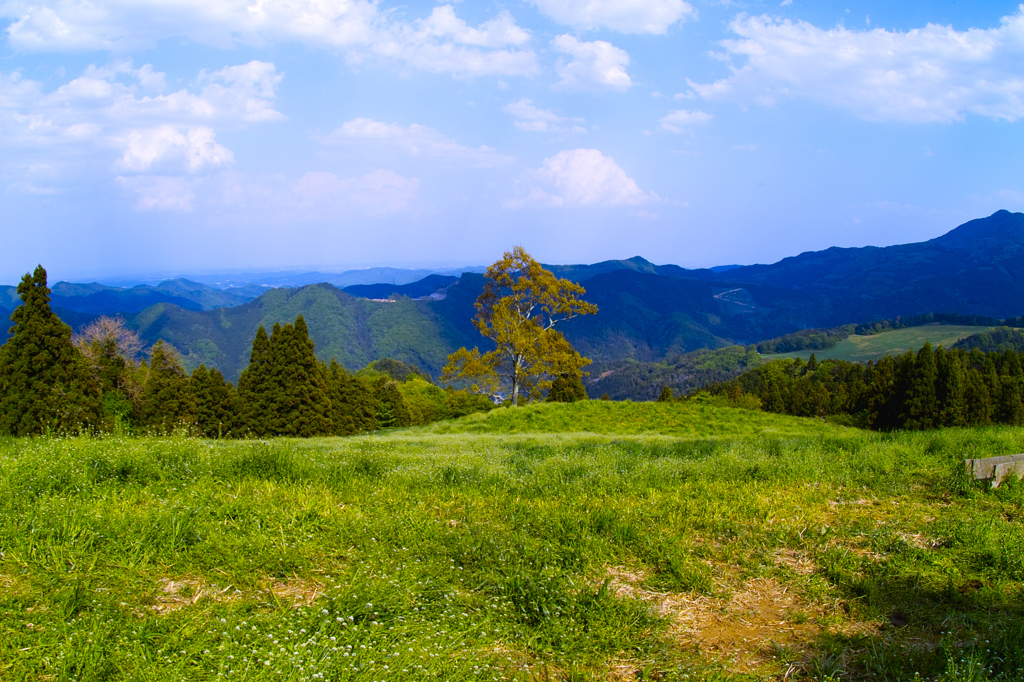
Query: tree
517,311
112,350
666,395
922,407
254,386
215,400
167,401
45,383
298,402
353,405
391,407
567,388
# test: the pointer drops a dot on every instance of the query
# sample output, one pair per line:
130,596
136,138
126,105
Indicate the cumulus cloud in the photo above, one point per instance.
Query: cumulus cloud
625,16
537,120
359,28
931,74
680,120
595,65
581,177
148,129
415,140
195,148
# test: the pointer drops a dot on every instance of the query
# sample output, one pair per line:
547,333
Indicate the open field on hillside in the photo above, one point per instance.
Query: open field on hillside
863,348
783,549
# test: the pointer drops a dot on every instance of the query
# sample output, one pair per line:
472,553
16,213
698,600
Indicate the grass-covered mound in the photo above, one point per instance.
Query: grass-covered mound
418,556
691,418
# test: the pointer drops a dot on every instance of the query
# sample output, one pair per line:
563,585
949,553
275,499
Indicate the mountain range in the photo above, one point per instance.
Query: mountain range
647,312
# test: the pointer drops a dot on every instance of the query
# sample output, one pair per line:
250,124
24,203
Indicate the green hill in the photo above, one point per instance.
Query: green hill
857,348
682,419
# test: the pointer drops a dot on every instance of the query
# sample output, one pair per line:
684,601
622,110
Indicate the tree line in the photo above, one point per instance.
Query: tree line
54,382
928,389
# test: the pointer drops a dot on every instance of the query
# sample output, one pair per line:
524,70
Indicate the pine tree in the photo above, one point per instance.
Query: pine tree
167,402
1011,383
977,400
664,397
391,407
568,388
298,404
812,364
45,383
922,408
216,402
254,388
353,405
950,388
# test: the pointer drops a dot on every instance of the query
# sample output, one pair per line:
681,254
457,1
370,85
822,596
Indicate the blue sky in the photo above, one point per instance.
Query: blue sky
177,136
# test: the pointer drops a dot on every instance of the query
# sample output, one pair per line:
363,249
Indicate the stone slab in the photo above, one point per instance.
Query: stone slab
995,469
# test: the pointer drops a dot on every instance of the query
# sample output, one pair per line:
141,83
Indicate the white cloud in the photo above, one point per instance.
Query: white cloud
596,65
681,120
98,111
416,140
359,28
159,193
534,119
931,74
625,16
195,148
581,177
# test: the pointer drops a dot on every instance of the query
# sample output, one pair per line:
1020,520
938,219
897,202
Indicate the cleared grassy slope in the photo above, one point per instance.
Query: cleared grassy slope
863,348
687,419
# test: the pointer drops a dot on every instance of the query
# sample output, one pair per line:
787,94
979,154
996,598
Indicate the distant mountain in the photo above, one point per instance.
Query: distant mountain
299,278
647,312
431,284
98,299
976,268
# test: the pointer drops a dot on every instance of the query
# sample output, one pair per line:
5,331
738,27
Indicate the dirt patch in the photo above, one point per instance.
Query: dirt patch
799,562
297,591
761,626
176,594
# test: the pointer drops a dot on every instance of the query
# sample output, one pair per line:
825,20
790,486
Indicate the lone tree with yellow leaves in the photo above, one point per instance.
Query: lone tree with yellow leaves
518,310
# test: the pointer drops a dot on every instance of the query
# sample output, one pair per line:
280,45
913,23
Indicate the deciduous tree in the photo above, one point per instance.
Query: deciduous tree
518,310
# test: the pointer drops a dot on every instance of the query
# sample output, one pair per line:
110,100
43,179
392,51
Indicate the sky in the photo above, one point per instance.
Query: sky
188,136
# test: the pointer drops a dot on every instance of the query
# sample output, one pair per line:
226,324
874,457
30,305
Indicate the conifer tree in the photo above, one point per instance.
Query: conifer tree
950,388
977,400
216,402
298,404
921,409
167,402
254,388
45,383
568,388
391,407
664,397
1011,382
353,405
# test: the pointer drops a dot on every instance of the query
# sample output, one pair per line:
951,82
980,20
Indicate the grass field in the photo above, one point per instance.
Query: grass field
863,348
746,547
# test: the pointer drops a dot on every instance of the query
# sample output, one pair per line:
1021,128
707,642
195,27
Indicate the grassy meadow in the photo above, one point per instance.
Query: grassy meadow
858,348
629,541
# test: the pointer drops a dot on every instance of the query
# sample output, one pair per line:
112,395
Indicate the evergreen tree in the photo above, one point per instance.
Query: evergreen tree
812,364
254,388
977,400
391,407
45,383
298,404
922,407
950,388
665,396
216,402
167,402
353,405
1011,382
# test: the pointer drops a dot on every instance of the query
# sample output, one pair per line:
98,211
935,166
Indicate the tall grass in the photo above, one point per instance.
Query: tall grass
420,555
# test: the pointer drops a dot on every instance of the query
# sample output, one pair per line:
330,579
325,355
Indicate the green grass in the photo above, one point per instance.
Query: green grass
863,348
783,548
690,418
